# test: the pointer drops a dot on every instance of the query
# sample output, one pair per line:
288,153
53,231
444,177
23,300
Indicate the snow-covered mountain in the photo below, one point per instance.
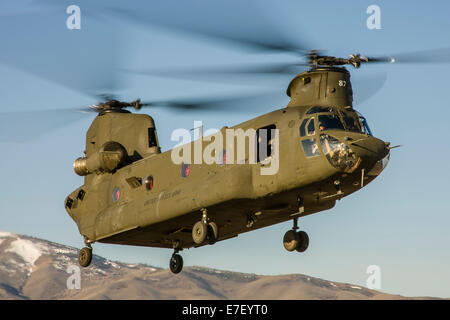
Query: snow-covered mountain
32,268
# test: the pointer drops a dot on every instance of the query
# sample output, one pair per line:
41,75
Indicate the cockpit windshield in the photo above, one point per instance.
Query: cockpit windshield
351,122
329,122
318,109
364,125
330,118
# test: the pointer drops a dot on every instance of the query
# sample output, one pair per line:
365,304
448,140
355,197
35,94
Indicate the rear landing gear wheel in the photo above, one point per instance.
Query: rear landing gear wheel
85,257
205,230
199,232
213,233
176,263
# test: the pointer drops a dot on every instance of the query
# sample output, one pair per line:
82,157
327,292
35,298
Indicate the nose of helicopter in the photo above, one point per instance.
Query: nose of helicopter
372,151
350,151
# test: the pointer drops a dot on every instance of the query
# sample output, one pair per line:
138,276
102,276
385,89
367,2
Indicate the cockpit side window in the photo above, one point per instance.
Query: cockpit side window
303,128
310,147
308,138
307,127
311,130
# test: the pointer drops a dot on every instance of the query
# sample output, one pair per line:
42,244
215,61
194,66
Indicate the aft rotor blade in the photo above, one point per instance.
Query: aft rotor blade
26,126
85,60
240,24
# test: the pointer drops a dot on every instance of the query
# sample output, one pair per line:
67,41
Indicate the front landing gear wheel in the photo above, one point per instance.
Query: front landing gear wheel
303,242
290,240
85,257
176,263
298,241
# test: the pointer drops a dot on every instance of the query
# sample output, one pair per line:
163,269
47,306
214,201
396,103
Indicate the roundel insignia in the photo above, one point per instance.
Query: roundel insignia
116,194
223,158
185,170
149,183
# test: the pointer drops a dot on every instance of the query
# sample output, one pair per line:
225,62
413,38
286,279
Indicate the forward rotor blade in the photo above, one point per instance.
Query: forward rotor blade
234,103
366,86
441,55
427,56
226,22
266,68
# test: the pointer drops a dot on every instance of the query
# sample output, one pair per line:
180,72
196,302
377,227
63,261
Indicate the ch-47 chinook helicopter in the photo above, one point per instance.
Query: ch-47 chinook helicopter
135,195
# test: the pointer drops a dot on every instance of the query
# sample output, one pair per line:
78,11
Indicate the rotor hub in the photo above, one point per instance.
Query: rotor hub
117,106
316,60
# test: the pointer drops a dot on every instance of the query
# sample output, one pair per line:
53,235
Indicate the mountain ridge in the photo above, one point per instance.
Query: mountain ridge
32,268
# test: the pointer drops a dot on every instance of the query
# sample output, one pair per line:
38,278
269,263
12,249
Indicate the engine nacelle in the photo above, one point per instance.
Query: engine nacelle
107,159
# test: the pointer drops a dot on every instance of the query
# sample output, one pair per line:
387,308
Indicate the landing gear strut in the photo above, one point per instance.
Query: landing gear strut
205,230
296,240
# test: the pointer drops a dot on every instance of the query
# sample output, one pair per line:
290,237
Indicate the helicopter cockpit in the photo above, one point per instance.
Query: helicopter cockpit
330,118
317,121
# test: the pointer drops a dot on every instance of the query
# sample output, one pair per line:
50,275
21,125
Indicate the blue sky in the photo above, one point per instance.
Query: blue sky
399,222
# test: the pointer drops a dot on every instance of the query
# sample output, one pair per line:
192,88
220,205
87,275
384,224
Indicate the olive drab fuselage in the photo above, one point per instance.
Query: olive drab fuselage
133,194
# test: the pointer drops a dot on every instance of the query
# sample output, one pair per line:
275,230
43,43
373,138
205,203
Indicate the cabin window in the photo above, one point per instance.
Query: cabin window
152,138
81,194
69,203
264,142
